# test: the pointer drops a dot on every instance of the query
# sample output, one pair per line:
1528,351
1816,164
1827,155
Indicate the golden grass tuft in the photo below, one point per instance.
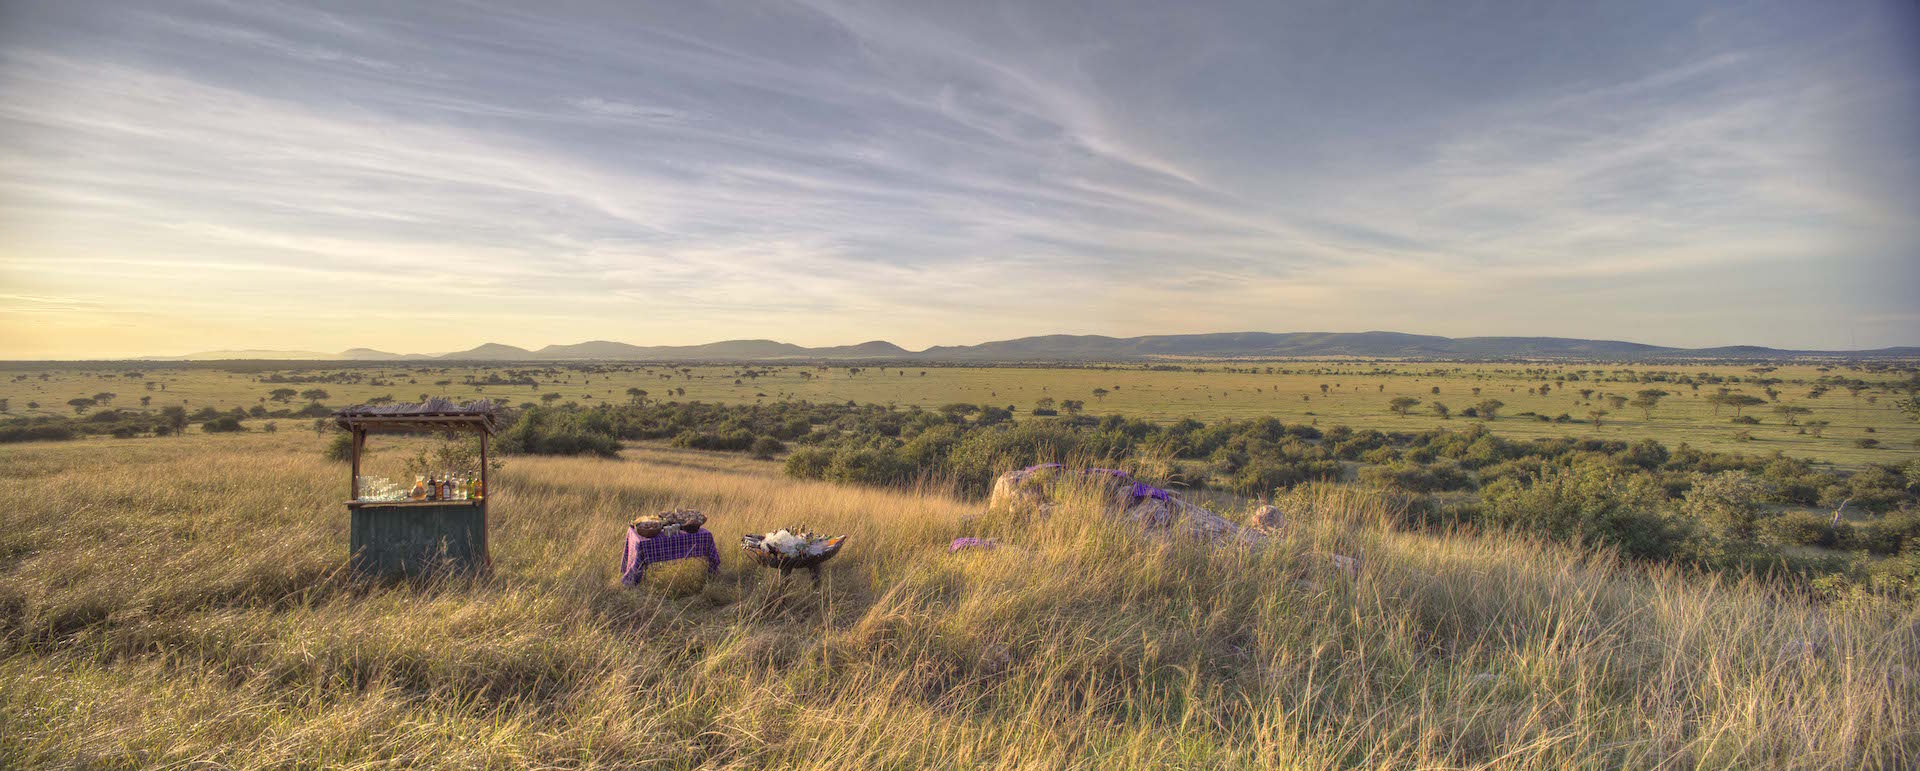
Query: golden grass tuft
183,603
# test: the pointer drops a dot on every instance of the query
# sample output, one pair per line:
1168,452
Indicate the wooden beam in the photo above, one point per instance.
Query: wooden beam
359,442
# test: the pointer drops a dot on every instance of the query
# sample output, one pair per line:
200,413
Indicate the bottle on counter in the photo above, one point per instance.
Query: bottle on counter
419,491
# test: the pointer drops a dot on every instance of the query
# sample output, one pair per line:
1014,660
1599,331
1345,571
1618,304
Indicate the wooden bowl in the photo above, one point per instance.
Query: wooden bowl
786,564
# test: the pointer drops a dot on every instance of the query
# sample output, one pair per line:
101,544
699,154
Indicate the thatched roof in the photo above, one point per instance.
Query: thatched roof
430,415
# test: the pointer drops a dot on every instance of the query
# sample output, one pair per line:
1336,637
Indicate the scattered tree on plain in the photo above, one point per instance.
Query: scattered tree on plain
1648,399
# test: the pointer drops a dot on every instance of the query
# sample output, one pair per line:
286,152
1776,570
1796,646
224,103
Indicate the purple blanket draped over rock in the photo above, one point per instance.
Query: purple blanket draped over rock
642,552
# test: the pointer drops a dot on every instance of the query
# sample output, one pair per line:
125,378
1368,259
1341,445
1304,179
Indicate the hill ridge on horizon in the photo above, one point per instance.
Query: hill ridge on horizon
1066,347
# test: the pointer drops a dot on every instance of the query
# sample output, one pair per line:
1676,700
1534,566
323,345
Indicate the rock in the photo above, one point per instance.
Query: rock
1013,492
1269,518
1031,490
1152,514
1177,516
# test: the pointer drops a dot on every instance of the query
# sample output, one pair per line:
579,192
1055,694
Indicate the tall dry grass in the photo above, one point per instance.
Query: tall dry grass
175,603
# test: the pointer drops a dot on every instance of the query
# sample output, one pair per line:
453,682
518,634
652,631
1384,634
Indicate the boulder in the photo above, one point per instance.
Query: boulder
1150,508
1014,491
1269,518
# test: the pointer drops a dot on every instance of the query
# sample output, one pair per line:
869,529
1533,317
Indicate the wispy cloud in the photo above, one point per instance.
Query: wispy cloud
827,171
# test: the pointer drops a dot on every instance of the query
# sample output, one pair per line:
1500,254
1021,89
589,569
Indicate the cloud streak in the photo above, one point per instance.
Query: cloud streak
828,171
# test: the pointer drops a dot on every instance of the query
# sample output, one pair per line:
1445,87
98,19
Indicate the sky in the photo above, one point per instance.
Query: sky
426,177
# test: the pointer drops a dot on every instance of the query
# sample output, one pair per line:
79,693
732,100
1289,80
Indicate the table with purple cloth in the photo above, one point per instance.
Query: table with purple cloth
643,551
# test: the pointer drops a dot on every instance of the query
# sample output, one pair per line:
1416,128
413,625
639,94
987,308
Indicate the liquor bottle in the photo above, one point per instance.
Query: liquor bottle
419,492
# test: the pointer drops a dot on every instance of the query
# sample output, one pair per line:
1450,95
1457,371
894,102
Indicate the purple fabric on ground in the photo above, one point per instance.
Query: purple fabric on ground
971,543
642,552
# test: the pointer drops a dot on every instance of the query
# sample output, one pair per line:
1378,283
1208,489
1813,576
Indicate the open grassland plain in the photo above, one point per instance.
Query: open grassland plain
182,602
1843,414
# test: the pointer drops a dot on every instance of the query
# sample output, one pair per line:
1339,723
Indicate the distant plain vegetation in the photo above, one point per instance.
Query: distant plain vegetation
1823,412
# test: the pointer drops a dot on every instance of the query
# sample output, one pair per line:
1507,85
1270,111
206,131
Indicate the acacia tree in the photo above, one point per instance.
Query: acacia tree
1647,400
80,404
1489,408
1596,415
1402,404
176,417
1100,394
1445,412
283,394
1790,413
315,395
638,396
1737,401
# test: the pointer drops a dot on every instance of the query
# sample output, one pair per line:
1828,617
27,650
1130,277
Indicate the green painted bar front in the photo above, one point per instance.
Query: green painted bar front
415,537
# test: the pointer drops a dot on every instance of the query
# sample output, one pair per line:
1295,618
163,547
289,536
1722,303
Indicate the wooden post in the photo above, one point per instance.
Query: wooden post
359,441
486,490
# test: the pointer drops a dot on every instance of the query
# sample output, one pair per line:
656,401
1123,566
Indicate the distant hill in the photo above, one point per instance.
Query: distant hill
490,352
1044,348
369,354
247,353
728,350
1362,344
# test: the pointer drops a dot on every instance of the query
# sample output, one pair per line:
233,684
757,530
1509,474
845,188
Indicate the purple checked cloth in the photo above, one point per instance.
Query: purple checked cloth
642,552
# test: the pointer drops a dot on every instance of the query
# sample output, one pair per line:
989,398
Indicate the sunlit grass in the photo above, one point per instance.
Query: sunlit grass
182,601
